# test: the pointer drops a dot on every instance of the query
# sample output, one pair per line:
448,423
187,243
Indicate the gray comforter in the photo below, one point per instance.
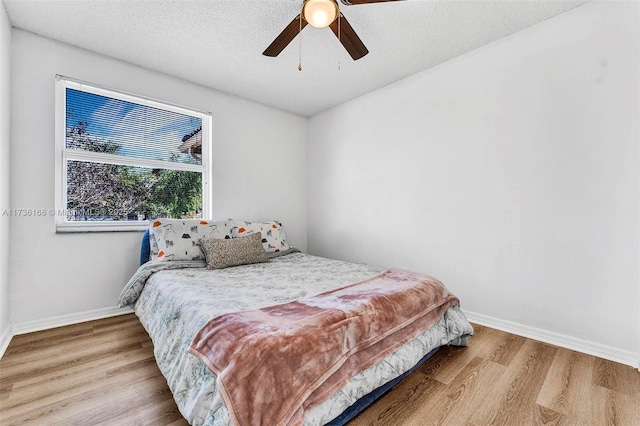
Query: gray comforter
175,299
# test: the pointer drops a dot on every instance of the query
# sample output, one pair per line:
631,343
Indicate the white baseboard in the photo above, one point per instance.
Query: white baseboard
62,320
564,341
557,339
5,339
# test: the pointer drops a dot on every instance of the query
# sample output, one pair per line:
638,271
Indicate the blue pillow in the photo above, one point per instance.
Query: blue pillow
145,248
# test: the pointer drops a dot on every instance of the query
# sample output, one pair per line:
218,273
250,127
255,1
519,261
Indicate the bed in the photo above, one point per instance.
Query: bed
176,299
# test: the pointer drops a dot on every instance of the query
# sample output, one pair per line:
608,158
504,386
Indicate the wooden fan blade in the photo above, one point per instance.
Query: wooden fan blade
285,37
354,2
348,37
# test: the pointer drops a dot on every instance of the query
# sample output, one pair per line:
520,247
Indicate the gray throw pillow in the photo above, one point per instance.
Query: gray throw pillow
221,253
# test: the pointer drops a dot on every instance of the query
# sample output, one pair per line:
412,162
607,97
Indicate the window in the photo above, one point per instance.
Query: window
122,160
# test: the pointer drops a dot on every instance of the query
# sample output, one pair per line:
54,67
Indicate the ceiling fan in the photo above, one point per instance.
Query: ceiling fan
322,14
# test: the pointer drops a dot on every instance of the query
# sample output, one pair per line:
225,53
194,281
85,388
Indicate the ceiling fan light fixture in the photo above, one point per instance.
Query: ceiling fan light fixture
320,13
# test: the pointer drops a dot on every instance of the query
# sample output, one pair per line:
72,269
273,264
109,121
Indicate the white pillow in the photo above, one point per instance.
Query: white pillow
177,239
273,237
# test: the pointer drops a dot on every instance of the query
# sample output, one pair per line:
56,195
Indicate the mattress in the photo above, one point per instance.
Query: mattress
175,299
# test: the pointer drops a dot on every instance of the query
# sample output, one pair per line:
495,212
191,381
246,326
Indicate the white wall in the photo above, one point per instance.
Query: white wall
5,134
259,173
510,173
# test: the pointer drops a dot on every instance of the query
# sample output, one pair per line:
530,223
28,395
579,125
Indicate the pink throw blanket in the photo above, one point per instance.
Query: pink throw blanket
276,363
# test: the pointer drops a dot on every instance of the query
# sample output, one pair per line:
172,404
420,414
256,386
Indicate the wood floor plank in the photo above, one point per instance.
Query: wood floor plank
515,393
160,413
70,350
567,387
103,373
457,358
52,363
47,339
59,403
90,411
37,388
492,345
392,408
470,390
179,422
540,415
5,391
609,407
506,349
616,377
445,362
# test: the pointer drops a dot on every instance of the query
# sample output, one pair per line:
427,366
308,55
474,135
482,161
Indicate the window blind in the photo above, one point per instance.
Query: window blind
131,130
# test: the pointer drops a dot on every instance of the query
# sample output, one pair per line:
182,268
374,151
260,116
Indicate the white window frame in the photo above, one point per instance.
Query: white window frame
63,155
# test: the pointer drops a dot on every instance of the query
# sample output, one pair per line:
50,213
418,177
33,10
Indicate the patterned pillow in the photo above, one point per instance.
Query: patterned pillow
153,245
273,236
177,239
234,252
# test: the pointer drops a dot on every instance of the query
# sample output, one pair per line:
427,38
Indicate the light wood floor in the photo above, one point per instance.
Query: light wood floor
103,373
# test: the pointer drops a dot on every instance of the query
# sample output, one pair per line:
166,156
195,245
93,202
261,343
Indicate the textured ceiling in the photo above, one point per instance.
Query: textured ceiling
219,44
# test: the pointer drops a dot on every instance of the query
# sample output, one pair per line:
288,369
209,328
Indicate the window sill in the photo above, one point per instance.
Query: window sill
89,226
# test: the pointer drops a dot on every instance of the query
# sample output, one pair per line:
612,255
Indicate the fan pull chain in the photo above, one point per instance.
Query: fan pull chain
300,45
340,40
